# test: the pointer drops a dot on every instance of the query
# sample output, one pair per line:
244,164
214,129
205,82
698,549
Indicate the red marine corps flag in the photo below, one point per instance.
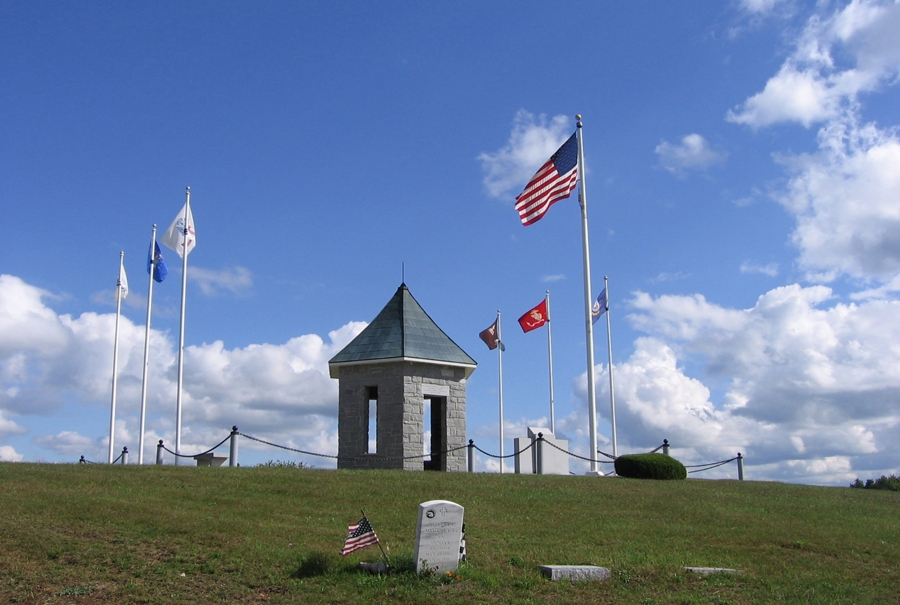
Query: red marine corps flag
535,318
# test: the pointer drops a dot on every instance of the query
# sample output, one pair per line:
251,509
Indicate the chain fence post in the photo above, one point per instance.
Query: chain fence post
159,452
124,455
471,456
233,454
666,447
539,454
740,464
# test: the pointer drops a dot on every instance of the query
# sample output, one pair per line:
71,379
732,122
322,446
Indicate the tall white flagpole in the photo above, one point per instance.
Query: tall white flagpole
184,263
115,371
588,302
147,347
500,348
612,392
550,357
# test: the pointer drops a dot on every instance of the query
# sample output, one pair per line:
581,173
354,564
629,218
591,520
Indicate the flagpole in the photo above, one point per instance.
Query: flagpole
588,302
147,346
612,392
550,357
115,370
184,263
500,374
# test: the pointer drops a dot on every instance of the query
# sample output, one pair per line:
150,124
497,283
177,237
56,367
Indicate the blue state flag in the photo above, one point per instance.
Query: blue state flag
601,306
159,267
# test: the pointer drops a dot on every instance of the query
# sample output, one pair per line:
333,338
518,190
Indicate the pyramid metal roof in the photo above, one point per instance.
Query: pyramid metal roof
402,331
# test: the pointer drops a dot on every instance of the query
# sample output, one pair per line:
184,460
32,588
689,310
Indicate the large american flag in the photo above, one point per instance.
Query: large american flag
359,536
554,181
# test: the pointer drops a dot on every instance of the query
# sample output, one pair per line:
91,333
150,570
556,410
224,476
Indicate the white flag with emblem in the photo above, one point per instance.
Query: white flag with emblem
123,283
175,236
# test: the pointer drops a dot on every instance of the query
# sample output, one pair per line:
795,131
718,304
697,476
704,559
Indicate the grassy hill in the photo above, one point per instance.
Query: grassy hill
127,534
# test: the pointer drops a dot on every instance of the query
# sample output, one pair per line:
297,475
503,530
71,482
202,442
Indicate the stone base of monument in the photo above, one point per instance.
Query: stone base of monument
378,568
711,570
575,573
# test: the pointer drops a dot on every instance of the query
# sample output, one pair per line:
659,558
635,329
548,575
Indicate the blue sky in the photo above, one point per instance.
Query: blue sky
743,178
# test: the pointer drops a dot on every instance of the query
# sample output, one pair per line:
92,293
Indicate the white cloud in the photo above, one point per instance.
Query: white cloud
664,277
846,204
532,141
26,324
9,454
692,153
760,6
770,269
69,443
792,95
882,292
843,196
811,86
837,468
682,317
8,427
810,390
237,280
656,400
281,391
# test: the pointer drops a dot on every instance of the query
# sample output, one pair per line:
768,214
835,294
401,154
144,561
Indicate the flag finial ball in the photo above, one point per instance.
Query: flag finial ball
577,116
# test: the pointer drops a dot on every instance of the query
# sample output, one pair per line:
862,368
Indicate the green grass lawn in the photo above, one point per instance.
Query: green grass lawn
128,534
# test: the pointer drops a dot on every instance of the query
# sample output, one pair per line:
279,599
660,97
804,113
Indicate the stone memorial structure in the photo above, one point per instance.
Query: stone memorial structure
542,458
210,459
439,536
400,378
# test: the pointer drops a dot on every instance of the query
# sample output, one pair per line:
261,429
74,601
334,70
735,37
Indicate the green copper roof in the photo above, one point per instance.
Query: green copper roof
402,330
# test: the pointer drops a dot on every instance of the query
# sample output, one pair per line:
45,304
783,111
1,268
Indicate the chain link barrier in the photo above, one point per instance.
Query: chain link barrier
709,465
573,455
699,468
209,451
430,455
498,457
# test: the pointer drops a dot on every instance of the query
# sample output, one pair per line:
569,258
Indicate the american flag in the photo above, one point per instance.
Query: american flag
553,182
359,536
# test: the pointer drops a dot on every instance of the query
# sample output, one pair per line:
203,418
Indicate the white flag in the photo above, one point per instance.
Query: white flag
122,286
174,236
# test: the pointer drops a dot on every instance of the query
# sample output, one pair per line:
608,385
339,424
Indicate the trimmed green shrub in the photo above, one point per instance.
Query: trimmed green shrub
650,466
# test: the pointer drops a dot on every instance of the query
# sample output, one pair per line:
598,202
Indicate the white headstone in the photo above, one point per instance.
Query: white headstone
439,535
